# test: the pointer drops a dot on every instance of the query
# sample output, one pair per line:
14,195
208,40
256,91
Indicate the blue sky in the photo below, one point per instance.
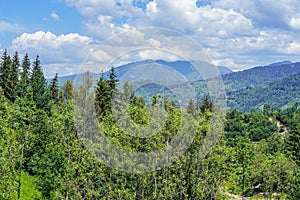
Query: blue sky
235,33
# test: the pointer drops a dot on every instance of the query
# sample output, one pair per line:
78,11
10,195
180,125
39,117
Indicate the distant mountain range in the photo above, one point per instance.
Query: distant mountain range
277,84
184,68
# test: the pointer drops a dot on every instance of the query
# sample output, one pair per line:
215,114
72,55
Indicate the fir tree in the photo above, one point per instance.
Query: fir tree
103,97
67,90
113,79
24,81
54,90
5,69
14,77
39,85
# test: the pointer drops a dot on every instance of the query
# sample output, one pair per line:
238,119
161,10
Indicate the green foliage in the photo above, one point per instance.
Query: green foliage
29,190
67,90
42,155
280,93
25,74
38,85
103,98
259,76
54,90
104,94
7,68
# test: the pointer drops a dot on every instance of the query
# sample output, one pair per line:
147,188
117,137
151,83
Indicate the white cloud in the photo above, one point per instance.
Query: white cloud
106,18
238,33
11,27
54,16
59,49
295,23
151,8
266,13
63,69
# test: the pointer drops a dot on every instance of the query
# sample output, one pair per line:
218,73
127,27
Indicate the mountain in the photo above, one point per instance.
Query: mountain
77,77
260,75
277,84
280,63
224,70
184,68
280,93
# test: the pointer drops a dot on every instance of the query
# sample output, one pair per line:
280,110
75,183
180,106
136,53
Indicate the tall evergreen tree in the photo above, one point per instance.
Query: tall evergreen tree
54,90
103,97
104,93
24,81
39,85
67,90
113,79
14,76
5,69
207,105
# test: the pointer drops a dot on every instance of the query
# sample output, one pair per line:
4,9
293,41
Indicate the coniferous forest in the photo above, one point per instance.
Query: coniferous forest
42,155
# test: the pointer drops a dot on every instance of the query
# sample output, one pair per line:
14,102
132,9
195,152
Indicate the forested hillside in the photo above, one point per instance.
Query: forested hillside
43,157
259,76
280,93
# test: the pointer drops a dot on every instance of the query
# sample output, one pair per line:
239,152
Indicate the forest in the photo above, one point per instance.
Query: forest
42,155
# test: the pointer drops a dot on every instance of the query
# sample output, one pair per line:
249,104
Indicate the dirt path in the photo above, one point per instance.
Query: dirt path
281,128
235,197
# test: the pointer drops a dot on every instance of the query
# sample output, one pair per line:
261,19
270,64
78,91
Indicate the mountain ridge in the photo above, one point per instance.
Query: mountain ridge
184,68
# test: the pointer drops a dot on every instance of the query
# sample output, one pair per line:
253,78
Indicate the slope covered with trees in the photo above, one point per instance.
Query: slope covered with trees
43,157
280,93
259,76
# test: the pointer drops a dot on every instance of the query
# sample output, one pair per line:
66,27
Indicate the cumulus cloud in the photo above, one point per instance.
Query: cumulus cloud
71,45
237,33
54,16
60,49
104,19
266,13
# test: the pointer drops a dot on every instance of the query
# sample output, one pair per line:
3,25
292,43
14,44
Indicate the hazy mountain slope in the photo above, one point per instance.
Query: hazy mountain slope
184,68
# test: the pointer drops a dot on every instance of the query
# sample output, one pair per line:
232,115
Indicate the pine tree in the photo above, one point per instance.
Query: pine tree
39,85
5,69
14,77
24,81
67,90
103,97
54,90
112,79
207,105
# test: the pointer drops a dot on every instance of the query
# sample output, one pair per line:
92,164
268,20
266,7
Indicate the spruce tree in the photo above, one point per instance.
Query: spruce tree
54,90
39,85
113,79
14,76
5,67
207,105
24,81
103,97
67,90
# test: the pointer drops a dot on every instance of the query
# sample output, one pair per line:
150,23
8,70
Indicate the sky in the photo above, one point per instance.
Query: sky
66,33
